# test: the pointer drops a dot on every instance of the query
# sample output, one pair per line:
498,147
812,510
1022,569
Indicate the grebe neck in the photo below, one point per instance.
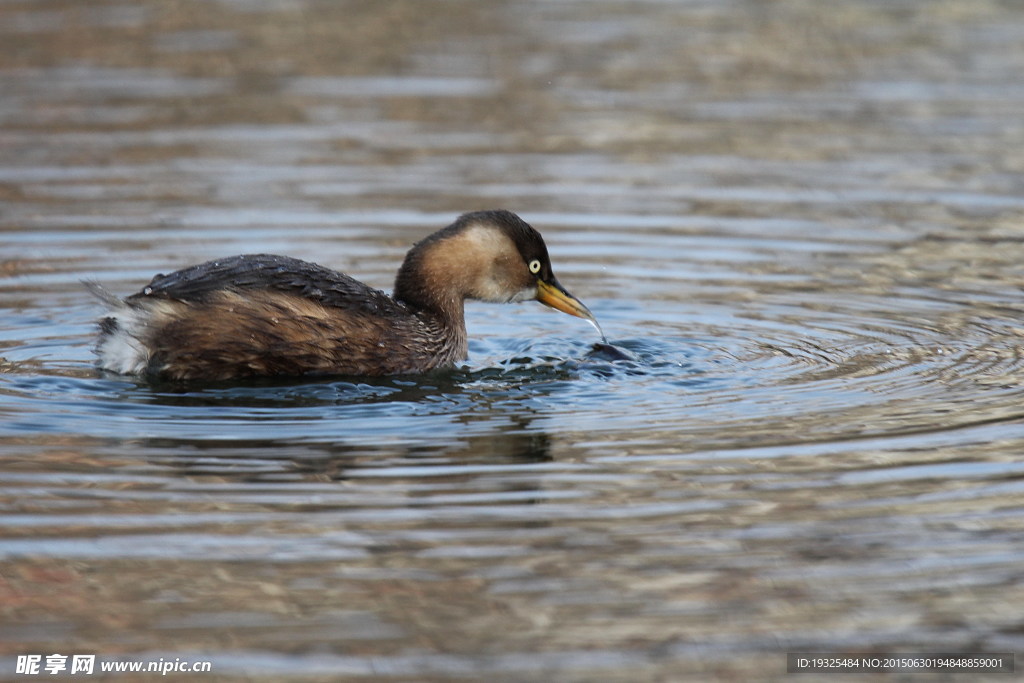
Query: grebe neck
435,277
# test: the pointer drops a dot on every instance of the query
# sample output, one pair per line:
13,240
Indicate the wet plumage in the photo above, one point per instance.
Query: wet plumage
264,315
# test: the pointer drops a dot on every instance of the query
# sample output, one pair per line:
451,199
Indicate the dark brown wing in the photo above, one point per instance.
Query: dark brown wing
269,272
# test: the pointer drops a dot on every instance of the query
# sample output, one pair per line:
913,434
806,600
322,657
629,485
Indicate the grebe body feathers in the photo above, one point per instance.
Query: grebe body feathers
265,315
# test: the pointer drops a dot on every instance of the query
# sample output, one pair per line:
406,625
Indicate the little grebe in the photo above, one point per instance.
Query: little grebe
261,315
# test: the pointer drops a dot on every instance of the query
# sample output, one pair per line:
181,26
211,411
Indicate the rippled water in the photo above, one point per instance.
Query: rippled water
801,224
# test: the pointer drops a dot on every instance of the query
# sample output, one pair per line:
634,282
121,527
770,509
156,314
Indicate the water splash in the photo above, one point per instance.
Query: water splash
593,321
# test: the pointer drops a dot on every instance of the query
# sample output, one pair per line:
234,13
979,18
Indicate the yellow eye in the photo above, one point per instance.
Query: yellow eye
534,266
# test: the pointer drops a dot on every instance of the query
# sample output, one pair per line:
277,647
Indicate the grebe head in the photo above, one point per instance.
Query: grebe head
486,255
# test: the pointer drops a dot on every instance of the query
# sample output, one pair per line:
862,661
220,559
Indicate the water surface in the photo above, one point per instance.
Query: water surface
802,225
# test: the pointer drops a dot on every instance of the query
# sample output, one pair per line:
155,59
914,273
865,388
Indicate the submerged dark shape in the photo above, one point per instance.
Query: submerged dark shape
264,315
605,351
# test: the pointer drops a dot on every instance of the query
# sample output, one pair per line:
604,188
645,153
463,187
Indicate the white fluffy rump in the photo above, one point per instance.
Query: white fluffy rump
121,347
122,350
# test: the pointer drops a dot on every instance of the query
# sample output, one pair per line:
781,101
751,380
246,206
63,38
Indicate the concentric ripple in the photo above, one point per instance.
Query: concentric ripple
802,375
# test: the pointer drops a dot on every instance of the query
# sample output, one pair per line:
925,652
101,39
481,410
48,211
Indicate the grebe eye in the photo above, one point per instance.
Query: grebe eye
534,266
